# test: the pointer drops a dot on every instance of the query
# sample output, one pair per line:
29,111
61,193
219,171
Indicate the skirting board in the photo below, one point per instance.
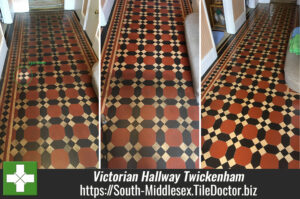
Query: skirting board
240,21
208,60
3,52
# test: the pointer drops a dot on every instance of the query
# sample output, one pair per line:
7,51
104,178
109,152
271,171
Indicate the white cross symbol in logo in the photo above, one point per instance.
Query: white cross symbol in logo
20,178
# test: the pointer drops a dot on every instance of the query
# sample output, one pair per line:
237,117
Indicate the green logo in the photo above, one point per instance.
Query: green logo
19,178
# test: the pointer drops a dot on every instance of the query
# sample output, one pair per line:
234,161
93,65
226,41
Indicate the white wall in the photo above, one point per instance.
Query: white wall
212,55
105,12
253,3
21,5
70,4
298,2
6,12
78,6
3,50
232,26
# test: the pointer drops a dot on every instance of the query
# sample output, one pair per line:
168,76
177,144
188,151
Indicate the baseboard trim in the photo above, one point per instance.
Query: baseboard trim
208,60
3,52
239,22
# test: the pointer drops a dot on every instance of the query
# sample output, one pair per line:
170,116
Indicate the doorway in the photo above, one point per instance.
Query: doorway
215,10
46,4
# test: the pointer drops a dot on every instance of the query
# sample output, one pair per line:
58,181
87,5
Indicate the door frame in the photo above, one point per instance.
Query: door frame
3,50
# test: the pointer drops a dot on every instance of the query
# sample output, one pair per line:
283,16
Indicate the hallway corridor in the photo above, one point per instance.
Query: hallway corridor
49,111
250,119
147,92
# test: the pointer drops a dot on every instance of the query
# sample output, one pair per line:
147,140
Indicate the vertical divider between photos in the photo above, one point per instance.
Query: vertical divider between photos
99,90
200,85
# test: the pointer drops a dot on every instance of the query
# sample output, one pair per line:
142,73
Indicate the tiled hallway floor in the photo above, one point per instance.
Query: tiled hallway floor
49,111
147,94
250,119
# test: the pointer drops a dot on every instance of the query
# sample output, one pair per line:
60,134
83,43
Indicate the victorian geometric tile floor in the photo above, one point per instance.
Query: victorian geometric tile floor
250,119
48,109
147,95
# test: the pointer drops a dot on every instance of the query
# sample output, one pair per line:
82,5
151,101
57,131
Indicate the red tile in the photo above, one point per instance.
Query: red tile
263,84
54,111
173,137
296,121
193,113
294,164
230,79
126,91
269,161
81,131
32,95
195,136
189,92
187,75
235,108
60,159
148,112
276,117
218,149
207,121
94,107
295,142
50,80
228,126
71,93
85,78
170,92
120,137
243,156
57,132
130,59
281,87
167,48
88,157
148,74
132,47
216,104
224,90
149,60
76,110
124,112
146,163
32,133
175,163
68,79
32,112
259,97
52,94
148,91
169,75
273,137
246,82
166,37
296,104
171,112
149,47
255,112
147,137
128,74
249,131
168,61
241,94
33,156
266,73
117,163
